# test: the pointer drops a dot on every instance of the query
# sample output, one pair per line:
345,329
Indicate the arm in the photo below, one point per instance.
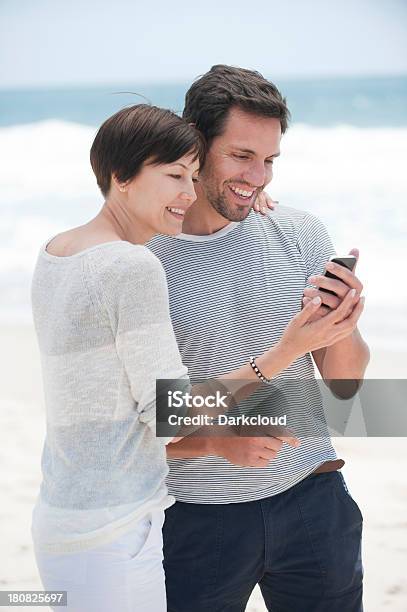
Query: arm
299,333
133,290
345,359
348,357
192,447
342,365
252,452
240,451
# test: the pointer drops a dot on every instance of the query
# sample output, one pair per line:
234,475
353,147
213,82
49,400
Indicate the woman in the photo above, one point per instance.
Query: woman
101,313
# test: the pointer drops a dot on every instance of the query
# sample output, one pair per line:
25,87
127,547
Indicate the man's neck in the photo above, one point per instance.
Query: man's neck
202,219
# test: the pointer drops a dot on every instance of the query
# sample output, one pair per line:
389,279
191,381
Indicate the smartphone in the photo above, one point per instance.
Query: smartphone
348,261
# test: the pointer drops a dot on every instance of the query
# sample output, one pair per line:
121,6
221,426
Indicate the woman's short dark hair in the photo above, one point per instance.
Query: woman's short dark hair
141,134
210,98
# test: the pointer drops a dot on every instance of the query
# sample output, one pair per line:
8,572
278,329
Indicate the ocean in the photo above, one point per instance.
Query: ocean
343,159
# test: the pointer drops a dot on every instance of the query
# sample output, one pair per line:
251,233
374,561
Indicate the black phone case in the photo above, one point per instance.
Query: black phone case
346,264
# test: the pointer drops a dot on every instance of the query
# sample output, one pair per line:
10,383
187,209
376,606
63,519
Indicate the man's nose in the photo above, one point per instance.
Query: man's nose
257,175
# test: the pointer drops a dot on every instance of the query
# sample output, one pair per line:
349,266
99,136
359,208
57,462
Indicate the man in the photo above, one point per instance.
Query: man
252,510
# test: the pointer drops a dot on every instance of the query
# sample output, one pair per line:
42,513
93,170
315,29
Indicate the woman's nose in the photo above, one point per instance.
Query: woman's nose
188,196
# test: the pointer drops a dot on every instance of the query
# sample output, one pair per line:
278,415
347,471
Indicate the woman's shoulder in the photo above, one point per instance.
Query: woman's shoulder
121,260
126,275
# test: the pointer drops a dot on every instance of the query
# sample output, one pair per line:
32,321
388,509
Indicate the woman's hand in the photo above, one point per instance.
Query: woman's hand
303,334
322,310
337,288
263,203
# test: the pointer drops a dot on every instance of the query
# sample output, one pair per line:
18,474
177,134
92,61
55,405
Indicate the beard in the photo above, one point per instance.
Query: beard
219,201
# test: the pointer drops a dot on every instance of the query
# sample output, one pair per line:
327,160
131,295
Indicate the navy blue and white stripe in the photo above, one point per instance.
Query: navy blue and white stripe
232,294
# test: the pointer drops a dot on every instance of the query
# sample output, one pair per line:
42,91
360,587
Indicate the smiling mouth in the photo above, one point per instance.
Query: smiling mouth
178,213
242,195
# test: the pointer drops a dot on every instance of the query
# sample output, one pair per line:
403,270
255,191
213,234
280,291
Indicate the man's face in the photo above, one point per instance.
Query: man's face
239,163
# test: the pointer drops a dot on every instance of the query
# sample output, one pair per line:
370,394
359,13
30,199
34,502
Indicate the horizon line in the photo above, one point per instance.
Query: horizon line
179,82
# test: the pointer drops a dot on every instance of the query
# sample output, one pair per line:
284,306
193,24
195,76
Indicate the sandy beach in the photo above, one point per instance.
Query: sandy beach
376,472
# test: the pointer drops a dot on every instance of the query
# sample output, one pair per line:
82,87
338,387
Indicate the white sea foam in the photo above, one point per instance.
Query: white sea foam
46,160
352,178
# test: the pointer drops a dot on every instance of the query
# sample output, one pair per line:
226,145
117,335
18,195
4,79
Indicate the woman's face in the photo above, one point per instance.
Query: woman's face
159,196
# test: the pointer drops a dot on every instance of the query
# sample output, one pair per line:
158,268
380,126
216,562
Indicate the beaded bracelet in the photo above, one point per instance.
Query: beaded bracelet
257,371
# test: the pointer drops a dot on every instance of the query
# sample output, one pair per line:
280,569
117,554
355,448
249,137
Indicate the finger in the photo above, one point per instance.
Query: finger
260,201
327,298
290,440
322,310
347,276
269,444
355,253
269,201
269,452
275,431
350,322
260,204
260,462
340,313
332,284
355,302
309,309
263,442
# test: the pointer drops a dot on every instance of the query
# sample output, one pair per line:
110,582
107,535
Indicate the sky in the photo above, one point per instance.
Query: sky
85,42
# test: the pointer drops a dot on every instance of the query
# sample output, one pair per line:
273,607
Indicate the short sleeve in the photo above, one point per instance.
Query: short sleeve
135,294
314,244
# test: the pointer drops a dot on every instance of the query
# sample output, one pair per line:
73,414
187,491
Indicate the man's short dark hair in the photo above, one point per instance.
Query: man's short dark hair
210,98
141,134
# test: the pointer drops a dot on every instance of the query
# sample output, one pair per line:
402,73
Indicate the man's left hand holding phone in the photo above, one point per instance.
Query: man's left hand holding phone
332,289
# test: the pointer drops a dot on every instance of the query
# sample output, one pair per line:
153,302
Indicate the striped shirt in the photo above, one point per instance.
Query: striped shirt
232,293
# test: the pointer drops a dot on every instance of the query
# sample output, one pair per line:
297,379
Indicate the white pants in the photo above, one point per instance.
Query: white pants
125,575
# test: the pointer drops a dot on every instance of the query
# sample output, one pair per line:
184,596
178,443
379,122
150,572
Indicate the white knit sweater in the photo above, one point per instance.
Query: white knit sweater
105,335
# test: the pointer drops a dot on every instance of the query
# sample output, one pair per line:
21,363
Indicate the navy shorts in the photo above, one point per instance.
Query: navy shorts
303,548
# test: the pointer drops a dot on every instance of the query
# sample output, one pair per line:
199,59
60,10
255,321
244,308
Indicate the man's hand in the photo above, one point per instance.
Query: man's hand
263,203
250,452
346,281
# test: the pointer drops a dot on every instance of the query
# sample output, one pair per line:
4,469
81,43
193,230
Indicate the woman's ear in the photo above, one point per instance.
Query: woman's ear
120,185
